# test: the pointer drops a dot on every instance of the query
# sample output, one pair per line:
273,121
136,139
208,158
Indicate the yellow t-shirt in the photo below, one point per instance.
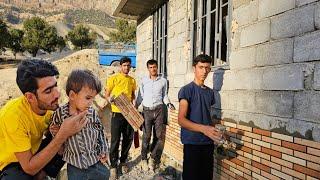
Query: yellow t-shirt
119,83
20,129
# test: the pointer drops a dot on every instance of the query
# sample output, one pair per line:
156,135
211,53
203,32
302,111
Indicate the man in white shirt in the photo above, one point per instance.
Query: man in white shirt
153,95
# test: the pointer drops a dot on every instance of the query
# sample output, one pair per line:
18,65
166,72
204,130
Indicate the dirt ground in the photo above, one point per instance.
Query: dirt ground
89,59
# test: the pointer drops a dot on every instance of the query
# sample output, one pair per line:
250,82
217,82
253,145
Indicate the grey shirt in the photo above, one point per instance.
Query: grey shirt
152,92
82,149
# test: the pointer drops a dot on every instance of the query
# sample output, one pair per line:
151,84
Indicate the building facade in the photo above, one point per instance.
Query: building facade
265,72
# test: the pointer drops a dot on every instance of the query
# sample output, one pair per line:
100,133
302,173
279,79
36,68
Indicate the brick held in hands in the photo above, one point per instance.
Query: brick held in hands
127,109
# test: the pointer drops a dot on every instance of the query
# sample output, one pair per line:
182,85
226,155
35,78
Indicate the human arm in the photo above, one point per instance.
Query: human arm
207,130
166,99
108,90
33,163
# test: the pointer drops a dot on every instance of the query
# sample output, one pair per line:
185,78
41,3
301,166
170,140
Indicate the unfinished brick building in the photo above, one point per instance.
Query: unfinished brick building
266,75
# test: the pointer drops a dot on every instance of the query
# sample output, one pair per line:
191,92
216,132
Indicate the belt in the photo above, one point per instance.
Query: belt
152,108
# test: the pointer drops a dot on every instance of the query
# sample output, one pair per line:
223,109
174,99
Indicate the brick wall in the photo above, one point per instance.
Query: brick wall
260,154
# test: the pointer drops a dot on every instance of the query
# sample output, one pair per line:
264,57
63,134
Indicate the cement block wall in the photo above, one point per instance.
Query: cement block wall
272,83
273,79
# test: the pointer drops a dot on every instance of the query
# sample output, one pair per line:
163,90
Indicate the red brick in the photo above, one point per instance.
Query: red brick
269,176
271,164
294,146
236,161
261,166
261,132
234,130
293,173
307,143
239,177
307,171
313,151
271,140
225,165
245,149
271,152
281,162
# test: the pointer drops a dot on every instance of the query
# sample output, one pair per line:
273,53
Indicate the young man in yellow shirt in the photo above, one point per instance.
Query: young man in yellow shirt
24,121
117,84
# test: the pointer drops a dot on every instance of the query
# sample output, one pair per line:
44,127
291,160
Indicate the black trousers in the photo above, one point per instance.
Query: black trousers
197,162
120,126
153,121
14,170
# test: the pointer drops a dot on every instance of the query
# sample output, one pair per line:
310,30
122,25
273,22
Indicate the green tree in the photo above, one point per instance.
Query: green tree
15,44
50,41
39,35
126,32
81,37
61,43
5,36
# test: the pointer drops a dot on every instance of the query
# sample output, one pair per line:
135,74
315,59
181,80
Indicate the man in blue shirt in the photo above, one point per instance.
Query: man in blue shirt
153,94
197,131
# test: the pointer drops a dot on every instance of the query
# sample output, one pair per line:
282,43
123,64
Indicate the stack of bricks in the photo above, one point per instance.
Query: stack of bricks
260,154
127,109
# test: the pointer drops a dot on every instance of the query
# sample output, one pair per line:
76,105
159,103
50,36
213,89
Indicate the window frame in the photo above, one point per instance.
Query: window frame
160,38
197,36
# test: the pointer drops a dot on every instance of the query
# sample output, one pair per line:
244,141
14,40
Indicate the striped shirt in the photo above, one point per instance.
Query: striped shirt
82,149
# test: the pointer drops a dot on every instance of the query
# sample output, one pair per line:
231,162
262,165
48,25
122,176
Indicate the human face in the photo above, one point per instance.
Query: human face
153,69
201,71
83,99
125,67
47,94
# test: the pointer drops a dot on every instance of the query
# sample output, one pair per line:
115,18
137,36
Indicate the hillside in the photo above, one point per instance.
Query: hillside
58,5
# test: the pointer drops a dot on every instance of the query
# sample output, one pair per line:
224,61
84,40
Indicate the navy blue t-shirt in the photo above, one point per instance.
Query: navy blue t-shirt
200,100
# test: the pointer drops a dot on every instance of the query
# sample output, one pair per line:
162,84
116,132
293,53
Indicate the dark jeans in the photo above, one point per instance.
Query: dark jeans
97,171
14,170
153,121
119,125
197,162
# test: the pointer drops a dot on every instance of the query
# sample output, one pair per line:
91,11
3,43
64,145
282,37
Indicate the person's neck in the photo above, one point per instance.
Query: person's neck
123,73
72,108
153,77
36,110
198,82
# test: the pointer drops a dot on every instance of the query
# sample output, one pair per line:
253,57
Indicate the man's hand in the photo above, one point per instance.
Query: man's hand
212,133
109,100
72,125
171,106
53,128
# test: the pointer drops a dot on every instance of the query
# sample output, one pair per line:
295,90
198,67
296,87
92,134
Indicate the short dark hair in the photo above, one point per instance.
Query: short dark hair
151,62
79,78
30,70
125,59
203,58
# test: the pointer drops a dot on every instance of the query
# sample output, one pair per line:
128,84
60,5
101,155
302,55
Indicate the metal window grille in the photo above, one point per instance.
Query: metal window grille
211,30
160,36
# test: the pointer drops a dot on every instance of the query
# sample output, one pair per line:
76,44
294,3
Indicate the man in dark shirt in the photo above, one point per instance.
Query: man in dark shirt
197,131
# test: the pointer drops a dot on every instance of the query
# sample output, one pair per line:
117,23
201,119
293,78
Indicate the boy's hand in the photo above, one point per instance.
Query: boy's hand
212,133
103,158
53,128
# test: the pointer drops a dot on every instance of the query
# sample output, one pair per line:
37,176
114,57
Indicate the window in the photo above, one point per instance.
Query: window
210,30
159,40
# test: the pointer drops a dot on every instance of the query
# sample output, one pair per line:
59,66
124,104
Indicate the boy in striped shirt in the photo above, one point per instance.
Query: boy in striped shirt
86,151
